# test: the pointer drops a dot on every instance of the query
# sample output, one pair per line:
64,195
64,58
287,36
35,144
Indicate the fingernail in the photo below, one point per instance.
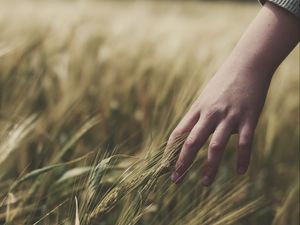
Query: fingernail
174,176
241,170
206,180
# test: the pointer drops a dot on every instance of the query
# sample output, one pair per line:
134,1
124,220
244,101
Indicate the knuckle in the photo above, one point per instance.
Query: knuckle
216,111
235,114
211,113
177,133
247,135
245,144
171,138
215,147
190,142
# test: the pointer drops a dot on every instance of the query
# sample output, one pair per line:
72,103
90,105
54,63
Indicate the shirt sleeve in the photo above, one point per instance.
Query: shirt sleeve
292,6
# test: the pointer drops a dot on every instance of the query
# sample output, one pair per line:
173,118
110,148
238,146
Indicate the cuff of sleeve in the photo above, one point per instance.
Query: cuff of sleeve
292,6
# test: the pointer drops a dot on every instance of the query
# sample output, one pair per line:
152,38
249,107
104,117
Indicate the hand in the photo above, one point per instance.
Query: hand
231,103
233,99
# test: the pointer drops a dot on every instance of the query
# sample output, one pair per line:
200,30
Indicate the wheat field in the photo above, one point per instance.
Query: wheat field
90,92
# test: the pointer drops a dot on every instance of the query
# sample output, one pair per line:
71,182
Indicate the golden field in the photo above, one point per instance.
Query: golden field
90,92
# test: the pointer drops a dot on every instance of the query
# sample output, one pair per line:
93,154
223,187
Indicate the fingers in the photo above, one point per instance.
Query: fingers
244,147
215,151
185,126
196,139
199,129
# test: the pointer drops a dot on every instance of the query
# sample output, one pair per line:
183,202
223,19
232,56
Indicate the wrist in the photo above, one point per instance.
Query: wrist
249,64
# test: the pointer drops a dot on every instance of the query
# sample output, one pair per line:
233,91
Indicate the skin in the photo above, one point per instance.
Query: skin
232,101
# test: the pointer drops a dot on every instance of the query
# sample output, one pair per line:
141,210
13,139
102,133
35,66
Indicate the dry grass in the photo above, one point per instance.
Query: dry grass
90,91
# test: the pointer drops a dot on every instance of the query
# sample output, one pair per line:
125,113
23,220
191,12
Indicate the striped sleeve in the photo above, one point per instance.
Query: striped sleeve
292,6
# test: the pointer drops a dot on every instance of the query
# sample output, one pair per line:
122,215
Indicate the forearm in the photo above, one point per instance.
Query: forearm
269,39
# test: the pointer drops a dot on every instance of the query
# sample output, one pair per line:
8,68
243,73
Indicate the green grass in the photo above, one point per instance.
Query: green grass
89,93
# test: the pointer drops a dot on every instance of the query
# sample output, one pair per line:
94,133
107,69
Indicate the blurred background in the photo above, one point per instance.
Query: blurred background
83,81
